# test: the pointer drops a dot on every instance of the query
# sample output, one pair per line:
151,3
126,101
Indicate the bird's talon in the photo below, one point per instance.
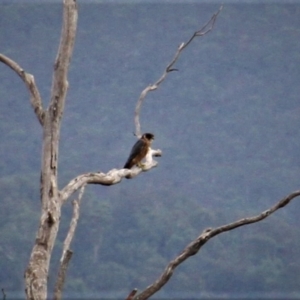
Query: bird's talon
142,166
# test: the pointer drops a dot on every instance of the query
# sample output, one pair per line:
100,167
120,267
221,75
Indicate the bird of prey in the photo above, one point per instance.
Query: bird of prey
139,151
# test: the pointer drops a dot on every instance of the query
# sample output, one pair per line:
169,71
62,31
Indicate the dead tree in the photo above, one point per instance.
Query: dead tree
52,198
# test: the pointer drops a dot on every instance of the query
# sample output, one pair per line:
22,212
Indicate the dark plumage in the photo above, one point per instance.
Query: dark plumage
139,150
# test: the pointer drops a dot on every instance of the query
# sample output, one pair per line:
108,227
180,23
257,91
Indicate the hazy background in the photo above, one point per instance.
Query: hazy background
227,123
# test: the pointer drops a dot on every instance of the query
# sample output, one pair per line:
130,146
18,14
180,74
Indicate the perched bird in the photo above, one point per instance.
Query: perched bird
139,151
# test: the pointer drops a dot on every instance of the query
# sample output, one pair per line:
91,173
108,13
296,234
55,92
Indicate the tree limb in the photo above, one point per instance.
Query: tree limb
61,66
113,176
132,294
204,30
35,97
206,235
62,274
67,253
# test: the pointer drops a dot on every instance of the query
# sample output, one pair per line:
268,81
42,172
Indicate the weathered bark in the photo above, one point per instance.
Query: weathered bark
37,271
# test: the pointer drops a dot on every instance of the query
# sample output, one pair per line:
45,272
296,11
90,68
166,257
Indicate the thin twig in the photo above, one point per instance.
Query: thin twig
203,31
206,235
67,253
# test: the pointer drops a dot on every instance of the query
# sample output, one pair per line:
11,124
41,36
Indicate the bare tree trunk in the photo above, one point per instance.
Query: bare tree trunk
36,273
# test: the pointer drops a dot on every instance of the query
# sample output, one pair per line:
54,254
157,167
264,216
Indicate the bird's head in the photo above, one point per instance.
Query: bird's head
148,136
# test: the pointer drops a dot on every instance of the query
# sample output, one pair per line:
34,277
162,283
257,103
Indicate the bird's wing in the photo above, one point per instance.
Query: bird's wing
135,151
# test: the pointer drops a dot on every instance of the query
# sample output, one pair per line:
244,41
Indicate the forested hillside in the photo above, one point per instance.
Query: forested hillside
227,123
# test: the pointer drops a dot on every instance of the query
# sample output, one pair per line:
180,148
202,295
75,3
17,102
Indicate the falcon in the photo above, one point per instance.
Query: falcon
139,151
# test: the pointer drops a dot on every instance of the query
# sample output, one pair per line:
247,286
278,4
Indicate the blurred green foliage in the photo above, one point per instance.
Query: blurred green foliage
227,123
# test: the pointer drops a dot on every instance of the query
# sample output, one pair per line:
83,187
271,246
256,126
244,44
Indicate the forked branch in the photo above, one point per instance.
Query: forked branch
201,32
35,97
205,29
206,235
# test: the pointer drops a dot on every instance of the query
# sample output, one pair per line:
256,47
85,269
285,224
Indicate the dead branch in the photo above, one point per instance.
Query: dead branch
61,66
205,236
35,97
67,253
62,274
132,294
203,31
113,176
